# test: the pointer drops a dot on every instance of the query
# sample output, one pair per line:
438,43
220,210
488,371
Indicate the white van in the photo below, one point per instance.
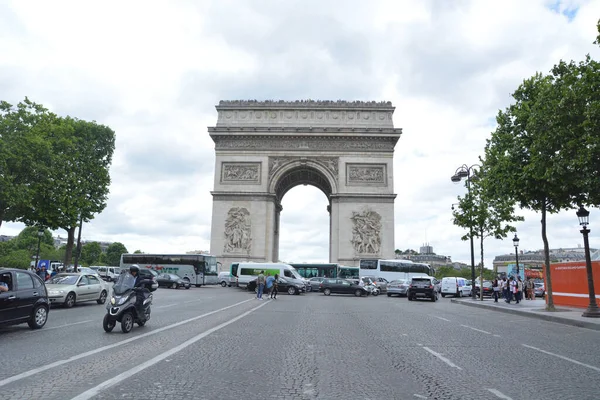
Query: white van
245,272
457,287
107,273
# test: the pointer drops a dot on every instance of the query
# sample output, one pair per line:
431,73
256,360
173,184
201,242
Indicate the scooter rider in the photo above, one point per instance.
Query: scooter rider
140,288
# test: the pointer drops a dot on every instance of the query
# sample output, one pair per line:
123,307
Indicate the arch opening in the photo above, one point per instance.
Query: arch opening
302,175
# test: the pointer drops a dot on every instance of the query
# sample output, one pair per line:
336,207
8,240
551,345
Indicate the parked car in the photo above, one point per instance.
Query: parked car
487,289
288,285
69,289
422,286
399,287
224,279
341,286
26,300
315,282
172,281
539,289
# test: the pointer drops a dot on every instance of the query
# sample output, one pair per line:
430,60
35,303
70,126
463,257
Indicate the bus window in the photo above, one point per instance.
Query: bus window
368,264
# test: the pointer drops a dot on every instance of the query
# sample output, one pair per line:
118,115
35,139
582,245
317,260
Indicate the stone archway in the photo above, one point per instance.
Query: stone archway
264,149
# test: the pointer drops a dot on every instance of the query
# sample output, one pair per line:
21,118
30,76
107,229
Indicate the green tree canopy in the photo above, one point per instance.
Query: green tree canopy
113,253
91,253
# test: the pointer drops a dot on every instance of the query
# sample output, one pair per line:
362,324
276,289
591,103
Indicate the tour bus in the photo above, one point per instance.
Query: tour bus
198,269
326,271
394,269
244,272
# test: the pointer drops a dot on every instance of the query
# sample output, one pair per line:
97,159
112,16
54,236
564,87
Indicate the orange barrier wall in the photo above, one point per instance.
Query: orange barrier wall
570,285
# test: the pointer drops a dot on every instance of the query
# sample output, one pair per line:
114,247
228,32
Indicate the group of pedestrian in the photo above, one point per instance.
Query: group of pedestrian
267,285
513,288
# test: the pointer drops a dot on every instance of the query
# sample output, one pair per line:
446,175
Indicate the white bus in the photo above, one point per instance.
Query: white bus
198,269
394,269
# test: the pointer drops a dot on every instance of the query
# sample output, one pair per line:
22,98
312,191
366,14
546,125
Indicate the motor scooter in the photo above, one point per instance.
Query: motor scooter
121,307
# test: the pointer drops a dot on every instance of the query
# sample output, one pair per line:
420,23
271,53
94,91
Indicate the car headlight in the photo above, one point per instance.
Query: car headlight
112,301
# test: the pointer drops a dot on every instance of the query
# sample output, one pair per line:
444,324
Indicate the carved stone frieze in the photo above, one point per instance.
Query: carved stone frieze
305,103
240,172
329,163
309,144
238,231
366,174
366,232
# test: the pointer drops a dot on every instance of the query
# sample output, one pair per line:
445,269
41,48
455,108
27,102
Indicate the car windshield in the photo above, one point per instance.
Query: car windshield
63,279
173,277
124,283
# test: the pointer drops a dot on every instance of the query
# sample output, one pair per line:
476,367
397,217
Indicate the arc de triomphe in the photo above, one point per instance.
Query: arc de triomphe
264,149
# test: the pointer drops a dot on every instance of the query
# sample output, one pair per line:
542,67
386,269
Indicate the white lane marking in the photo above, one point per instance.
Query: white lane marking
443,319
61,326
419,344
420,396
167,306
478,330
405,334
497,336
88,394
563,357
444,359
55,364
499,394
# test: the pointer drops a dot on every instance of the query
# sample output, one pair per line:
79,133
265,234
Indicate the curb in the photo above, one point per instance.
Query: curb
545,317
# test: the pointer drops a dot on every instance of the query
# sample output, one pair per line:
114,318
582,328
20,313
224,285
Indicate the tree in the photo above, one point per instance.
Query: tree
113,253
484,214
78,183
16,259
141,252
22,146
91,253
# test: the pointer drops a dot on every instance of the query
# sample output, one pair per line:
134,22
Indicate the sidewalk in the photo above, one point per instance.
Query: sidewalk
535,309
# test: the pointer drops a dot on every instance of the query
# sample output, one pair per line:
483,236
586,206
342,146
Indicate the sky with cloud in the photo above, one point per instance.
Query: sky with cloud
153,72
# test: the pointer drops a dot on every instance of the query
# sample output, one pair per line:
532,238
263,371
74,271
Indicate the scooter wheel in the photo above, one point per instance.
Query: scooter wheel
127,322
108,324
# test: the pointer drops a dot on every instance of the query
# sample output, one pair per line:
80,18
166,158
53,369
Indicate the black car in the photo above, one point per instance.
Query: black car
288,285
422,286
26,299
172,281
341,286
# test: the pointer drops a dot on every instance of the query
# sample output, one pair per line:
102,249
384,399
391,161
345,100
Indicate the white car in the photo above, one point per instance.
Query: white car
69,289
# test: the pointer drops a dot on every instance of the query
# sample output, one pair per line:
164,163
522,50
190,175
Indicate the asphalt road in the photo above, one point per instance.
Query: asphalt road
221,343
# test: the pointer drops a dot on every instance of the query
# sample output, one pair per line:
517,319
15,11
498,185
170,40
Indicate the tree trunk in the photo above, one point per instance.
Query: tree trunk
550,303
481,269
69,249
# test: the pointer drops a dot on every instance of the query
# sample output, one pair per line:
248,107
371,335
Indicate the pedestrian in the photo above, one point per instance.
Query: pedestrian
519,289
530,289
274,291
260,284
504,288
510,288
495,288
269,283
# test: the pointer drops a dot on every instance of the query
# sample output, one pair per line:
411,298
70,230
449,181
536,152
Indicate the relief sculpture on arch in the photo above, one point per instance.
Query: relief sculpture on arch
238,232
366,232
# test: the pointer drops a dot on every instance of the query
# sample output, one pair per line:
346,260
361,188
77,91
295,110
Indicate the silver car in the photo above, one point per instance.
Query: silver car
399,287
76,287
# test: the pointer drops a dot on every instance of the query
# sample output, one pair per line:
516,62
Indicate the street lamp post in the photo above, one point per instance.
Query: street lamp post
592,310
467,172
516,243
37,255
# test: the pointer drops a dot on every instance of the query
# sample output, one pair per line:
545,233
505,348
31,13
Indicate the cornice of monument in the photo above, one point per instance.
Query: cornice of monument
305,114
309,103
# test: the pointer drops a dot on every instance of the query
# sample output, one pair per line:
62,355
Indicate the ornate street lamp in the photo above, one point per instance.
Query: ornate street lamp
37,255
584,219
469,173
516,243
